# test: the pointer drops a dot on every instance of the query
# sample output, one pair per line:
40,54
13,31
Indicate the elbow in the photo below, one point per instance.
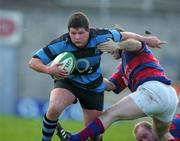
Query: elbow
30,64
134,45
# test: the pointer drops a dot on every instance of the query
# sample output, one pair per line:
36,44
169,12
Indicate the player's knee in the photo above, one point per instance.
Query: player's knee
54,110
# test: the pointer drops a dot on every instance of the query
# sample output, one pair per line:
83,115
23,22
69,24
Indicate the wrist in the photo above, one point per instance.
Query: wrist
144,39
119,46
47,70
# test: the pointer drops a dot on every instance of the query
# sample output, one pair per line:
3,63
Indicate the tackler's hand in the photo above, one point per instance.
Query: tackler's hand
116,54
154,42
110,46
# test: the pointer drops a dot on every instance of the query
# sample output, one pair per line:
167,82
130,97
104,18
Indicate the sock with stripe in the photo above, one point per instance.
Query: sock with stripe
48,128
94,129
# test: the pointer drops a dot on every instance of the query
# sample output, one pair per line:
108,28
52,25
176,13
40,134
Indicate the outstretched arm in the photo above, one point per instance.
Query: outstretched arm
112,47
151,41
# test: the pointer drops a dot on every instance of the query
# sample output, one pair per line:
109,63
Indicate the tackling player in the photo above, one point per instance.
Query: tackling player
152,94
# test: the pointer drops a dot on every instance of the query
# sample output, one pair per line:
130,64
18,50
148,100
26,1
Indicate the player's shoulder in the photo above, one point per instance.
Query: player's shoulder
98,31
62,38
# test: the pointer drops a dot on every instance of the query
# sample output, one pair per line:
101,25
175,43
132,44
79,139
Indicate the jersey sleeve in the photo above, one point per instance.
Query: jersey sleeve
48,53
116,35
118,81
41,54
102,35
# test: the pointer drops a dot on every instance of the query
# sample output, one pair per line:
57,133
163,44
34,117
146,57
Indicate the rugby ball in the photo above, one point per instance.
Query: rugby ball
68,61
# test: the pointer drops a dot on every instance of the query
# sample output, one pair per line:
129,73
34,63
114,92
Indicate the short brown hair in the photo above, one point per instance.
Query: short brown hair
77,20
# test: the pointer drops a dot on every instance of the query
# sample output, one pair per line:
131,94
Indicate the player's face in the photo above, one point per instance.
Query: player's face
143,134
79,36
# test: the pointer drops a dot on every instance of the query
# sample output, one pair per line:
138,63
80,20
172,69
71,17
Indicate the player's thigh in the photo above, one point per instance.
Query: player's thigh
62,94
61,97
124,109
90,100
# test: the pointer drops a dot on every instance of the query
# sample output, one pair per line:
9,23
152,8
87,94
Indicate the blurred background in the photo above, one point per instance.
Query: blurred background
27,25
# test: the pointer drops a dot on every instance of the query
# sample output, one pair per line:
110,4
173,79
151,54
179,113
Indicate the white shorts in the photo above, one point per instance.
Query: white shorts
156,99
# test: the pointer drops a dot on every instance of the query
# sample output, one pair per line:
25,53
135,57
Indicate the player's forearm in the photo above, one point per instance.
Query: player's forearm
37,65
151,41
130,35
129,45
109,85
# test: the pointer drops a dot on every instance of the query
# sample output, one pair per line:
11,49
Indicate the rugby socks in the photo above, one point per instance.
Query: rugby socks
94,129
48,128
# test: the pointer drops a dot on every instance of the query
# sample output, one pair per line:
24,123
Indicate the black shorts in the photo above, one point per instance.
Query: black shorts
88,99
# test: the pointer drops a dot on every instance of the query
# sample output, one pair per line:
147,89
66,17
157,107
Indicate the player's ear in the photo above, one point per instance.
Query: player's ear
87,29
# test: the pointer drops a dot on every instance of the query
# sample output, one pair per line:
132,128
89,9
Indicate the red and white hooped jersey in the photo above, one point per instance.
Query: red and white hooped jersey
136,68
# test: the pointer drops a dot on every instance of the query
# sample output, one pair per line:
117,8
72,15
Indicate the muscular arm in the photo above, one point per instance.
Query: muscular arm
130,42
113,47
37,65
128,35
151,41
129,45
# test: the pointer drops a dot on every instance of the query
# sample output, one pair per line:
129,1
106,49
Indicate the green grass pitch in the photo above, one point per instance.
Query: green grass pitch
19,129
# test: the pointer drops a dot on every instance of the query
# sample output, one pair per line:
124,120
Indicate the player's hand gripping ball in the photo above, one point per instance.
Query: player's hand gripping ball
68,61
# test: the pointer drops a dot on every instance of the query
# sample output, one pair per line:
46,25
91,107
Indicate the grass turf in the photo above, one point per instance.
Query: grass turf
19,129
